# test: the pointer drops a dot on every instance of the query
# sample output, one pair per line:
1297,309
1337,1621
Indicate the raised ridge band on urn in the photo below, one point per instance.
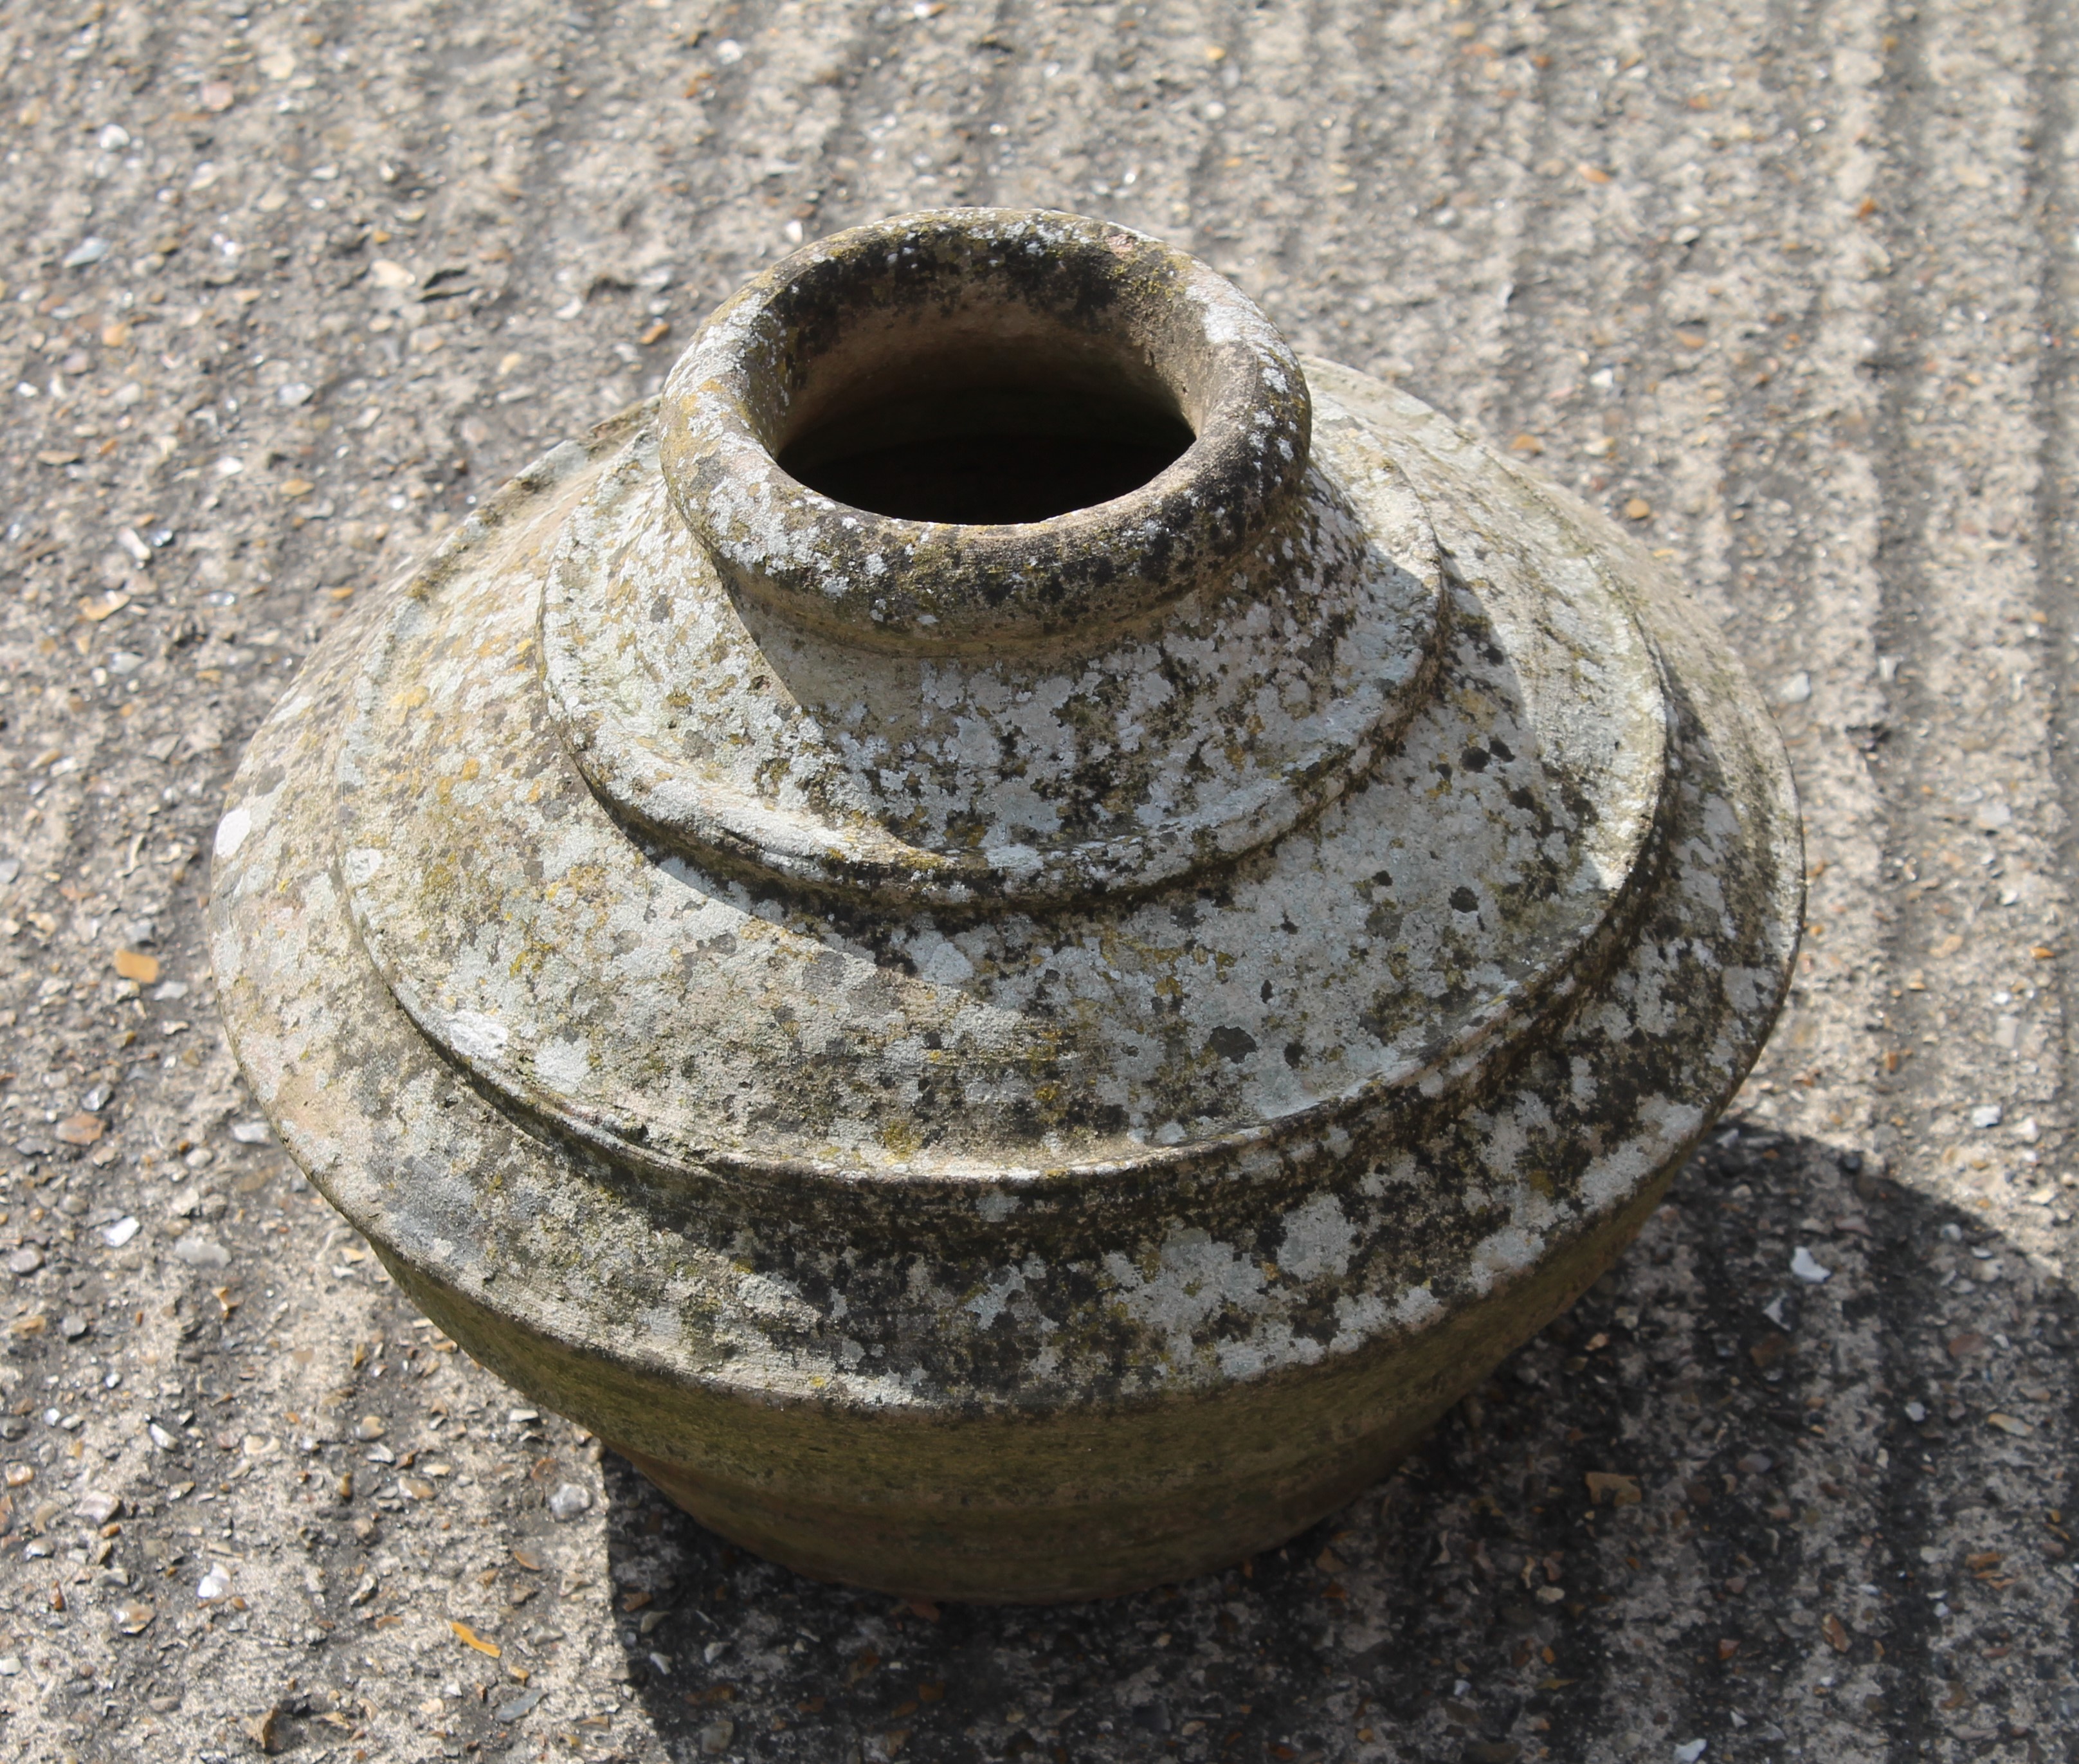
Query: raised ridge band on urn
1012,934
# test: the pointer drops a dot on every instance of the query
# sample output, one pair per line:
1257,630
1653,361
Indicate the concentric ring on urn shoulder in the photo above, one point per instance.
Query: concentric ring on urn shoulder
1114,301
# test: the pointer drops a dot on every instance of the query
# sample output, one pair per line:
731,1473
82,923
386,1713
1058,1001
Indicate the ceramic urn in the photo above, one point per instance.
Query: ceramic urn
1011,933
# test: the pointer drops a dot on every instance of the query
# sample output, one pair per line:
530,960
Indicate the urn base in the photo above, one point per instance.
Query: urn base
1001,1511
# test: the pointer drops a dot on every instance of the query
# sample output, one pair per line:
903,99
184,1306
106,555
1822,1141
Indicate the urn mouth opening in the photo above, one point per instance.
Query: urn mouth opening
981,419
972,427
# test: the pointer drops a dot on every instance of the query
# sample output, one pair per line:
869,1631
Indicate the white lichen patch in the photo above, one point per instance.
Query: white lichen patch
1319,1238
230,832
1192,1278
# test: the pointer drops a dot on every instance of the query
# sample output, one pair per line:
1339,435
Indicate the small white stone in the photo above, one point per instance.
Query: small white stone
1806,1269
1795,689
97,1508
569,1500
1986,1114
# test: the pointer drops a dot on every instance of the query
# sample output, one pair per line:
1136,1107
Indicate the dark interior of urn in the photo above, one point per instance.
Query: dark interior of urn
985,418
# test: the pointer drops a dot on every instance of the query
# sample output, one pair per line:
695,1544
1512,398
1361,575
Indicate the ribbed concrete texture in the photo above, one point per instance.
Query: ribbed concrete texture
1791,289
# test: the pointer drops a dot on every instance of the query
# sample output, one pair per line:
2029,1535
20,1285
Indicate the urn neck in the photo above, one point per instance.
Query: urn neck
977,429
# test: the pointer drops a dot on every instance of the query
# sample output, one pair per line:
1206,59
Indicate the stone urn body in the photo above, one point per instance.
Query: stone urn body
1011,934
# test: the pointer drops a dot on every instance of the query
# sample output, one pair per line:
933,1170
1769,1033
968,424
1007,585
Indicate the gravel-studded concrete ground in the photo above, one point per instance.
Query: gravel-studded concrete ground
1794,287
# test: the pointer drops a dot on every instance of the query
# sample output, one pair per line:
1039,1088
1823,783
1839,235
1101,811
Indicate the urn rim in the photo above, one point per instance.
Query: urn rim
957,309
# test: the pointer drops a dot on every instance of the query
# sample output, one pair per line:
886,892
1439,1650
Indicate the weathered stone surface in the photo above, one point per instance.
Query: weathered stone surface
1019,1254
1815,354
